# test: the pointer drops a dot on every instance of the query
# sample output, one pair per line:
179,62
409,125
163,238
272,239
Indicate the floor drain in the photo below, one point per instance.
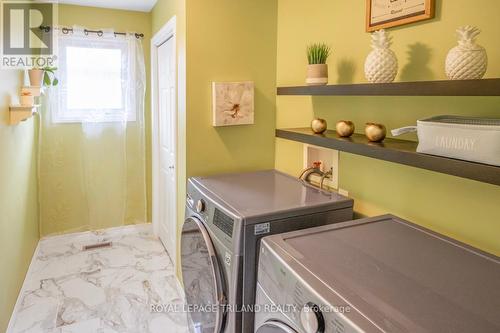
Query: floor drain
96,246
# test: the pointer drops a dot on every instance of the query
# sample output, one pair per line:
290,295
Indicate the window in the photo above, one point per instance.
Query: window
97,80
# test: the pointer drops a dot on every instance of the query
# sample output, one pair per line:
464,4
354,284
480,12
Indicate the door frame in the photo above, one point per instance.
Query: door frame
167,32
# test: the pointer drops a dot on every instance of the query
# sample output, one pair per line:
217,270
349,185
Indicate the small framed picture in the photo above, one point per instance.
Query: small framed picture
381,14
233,103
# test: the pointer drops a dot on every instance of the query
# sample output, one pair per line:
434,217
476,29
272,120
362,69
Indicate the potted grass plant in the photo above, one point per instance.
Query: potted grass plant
317,70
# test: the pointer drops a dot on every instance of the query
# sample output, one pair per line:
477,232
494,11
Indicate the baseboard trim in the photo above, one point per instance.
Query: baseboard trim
21,291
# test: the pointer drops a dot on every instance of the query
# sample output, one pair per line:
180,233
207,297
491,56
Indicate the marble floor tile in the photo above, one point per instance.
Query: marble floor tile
110,289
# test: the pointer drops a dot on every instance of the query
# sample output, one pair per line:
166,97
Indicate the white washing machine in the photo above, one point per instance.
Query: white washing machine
379,274
226,216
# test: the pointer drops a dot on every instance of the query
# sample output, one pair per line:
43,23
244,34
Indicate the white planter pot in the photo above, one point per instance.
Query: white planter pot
36,77
27,100
317,75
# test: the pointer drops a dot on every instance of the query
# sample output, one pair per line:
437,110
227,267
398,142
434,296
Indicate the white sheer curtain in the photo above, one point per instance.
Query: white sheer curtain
92,141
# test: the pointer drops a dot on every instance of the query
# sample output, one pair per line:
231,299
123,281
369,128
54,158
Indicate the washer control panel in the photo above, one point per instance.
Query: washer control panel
217,220
223,222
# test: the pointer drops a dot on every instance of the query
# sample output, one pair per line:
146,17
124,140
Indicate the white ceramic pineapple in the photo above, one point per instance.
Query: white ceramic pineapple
468,60
381,65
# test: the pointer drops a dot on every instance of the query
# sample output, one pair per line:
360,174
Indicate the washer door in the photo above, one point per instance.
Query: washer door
202,279
273,326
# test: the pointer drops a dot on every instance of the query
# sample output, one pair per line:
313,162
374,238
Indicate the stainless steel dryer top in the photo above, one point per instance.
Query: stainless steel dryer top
262,194
395,276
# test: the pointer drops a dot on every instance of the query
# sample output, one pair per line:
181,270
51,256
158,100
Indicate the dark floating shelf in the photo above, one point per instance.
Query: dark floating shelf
483,87
397,151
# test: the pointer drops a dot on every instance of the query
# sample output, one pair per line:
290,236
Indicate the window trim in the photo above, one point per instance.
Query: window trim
61,114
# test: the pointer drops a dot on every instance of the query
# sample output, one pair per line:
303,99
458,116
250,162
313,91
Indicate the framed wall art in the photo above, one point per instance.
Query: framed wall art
233,103
381,14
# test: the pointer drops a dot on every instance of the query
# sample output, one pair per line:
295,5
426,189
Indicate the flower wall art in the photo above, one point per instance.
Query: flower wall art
233,103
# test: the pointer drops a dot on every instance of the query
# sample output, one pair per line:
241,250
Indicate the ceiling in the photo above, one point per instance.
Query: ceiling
137,5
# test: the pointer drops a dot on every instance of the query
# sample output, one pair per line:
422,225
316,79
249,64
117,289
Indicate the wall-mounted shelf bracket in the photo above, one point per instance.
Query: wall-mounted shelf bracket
19,113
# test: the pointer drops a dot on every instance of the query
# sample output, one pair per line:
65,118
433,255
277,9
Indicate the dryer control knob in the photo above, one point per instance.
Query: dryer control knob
200,206
311,318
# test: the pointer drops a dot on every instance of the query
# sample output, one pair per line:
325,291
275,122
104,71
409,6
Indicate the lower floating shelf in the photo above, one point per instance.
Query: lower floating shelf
397,151
20,113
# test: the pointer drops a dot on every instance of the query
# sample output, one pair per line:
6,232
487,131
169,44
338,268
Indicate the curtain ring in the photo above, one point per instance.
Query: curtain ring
100,33
65,30
86,32
45,28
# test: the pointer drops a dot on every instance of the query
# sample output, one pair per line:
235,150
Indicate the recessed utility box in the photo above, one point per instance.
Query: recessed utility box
329,159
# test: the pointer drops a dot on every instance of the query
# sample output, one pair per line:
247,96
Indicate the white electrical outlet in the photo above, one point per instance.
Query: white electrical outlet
329,159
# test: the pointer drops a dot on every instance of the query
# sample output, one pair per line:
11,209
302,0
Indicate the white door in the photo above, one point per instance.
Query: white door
167,146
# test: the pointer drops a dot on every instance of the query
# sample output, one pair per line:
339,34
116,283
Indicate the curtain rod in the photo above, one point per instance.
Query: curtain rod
99,33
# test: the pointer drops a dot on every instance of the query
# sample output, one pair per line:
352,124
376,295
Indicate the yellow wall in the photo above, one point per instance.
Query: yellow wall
230,40
64,207
18,196
463,209
163,11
